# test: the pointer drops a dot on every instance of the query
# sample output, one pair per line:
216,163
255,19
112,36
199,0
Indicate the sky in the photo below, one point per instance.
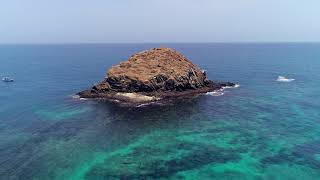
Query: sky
151,21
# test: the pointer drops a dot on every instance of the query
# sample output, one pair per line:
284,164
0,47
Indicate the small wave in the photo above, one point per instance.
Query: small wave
284,79
142,105
221,91
231,87
115,100
148,104
215,93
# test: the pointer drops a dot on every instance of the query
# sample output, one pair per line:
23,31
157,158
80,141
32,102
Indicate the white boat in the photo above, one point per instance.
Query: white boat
284,79
7,79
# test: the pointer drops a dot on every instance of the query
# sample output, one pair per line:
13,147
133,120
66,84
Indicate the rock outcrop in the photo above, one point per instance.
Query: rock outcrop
151,75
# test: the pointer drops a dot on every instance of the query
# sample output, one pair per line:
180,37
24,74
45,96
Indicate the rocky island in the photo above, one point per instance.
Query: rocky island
156,75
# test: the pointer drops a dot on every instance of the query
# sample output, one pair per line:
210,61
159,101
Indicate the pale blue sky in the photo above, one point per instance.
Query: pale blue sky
106,21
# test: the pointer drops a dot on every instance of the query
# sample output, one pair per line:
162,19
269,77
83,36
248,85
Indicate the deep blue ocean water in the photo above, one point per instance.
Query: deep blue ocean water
263,130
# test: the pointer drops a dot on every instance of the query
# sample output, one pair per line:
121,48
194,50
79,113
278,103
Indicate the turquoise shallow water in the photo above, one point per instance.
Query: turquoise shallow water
263,130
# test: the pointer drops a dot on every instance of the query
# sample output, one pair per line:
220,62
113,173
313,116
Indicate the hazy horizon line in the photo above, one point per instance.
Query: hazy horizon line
222,42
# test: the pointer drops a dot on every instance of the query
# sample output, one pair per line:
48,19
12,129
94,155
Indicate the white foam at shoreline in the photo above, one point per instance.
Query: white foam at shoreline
221,91
78,97
215,93
231,87
75,96
147,104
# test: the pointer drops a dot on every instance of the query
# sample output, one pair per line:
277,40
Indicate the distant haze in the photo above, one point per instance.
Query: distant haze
131,21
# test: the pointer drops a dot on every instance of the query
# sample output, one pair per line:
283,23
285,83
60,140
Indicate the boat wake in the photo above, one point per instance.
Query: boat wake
284,79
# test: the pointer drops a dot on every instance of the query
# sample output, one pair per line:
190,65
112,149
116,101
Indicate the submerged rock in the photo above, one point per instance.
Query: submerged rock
153,75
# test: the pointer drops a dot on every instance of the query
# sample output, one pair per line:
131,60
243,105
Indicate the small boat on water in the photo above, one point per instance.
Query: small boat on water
7,79
284,79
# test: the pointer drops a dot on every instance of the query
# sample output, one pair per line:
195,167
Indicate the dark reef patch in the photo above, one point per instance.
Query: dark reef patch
200,155
304,154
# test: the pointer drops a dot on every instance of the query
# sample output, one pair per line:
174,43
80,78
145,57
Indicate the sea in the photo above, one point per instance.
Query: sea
267,128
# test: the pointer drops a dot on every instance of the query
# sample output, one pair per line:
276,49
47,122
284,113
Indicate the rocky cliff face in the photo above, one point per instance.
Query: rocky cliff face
159,69
159,72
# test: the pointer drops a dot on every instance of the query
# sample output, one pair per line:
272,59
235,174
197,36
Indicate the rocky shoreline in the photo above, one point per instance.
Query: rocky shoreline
156,75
